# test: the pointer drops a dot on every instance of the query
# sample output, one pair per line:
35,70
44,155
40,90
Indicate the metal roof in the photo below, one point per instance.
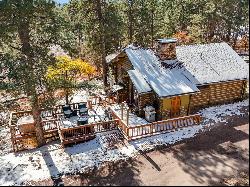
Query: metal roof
139,82
164,82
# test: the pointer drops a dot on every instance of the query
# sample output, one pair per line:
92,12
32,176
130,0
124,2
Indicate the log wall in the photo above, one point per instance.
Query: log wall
120,69
216,94
144,100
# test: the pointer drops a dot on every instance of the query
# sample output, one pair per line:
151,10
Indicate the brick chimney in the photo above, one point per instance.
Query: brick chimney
166,48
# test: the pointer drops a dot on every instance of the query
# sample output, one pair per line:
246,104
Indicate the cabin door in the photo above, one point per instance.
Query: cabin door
175,107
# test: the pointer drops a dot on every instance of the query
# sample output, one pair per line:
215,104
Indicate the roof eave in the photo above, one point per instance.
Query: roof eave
189,93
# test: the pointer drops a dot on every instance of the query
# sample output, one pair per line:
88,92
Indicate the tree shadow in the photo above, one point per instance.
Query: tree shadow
10,174
122,173
45,152
54,173
209,157
150,160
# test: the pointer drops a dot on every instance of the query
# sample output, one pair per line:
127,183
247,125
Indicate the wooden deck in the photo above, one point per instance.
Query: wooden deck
19,139
158,127
51,126
85,132
54,131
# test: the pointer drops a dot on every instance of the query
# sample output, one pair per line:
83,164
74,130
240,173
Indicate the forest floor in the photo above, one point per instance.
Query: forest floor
217,156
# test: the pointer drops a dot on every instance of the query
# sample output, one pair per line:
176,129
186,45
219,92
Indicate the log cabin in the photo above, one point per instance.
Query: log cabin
177,80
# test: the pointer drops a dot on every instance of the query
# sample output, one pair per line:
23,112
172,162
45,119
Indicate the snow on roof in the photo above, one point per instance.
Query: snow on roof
116,87
164,82
213,62
177,67
139,82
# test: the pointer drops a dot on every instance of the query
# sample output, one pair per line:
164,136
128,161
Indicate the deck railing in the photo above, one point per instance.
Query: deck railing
158,127
20,139
121,124
85,132
52,130
143,130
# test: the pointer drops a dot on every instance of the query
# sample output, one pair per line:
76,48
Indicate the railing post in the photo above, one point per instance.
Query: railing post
122,104
127,117
127,129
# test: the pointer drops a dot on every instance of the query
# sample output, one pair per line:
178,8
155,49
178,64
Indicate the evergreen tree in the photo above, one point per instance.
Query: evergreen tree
26,31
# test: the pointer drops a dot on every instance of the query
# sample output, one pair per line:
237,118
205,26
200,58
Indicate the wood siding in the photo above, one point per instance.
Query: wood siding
218,93
166,106
120,69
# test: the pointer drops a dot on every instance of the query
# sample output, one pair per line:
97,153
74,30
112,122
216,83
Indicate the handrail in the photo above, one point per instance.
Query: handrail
153,128
90,125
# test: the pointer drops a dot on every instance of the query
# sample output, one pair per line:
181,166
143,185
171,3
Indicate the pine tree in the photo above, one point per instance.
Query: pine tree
27,30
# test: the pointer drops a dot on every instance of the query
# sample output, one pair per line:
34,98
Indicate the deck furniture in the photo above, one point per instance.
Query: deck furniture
67,111
83,110
82,120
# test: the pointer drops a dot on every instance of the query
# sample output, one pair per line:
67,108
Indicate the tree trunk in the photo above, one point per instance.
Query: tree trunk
228,35
24,36
235,41
152,27
98,7
38,122
130,20
66,96
66,89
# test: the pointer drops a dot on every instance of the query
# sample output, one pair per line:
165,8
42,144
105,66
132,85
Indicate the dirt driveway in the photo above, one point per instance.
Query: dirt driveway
219,156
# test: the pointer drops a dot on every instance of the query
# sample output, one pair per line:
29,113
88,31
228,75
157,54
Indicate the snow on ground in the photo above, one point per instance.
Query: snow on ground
218,112
3,118
97,114
133,119
5,143
77,97
52,161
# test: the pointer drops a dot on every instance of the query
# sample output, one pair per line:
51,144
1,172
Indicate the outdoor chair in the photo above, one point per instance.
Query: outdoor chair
67,111
83,110
74,112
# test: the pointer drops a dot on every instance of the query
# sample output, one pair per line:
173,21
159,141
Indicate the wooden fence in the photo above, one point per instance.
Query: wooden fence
158,127
144,130
20,140
85,132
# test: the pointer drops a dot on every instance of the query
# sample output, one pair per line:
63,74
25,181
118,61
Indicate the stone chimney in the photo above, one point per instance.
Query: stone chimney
166,48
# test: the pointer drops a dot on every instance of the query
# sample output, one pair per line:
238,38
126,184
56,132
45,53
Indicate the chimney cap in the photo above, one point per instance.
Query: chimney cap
167,40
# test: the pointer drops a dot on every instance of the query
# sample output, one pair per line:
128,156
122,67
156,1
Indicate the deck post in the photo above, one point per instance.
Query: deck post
90,104
122,104
127,116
